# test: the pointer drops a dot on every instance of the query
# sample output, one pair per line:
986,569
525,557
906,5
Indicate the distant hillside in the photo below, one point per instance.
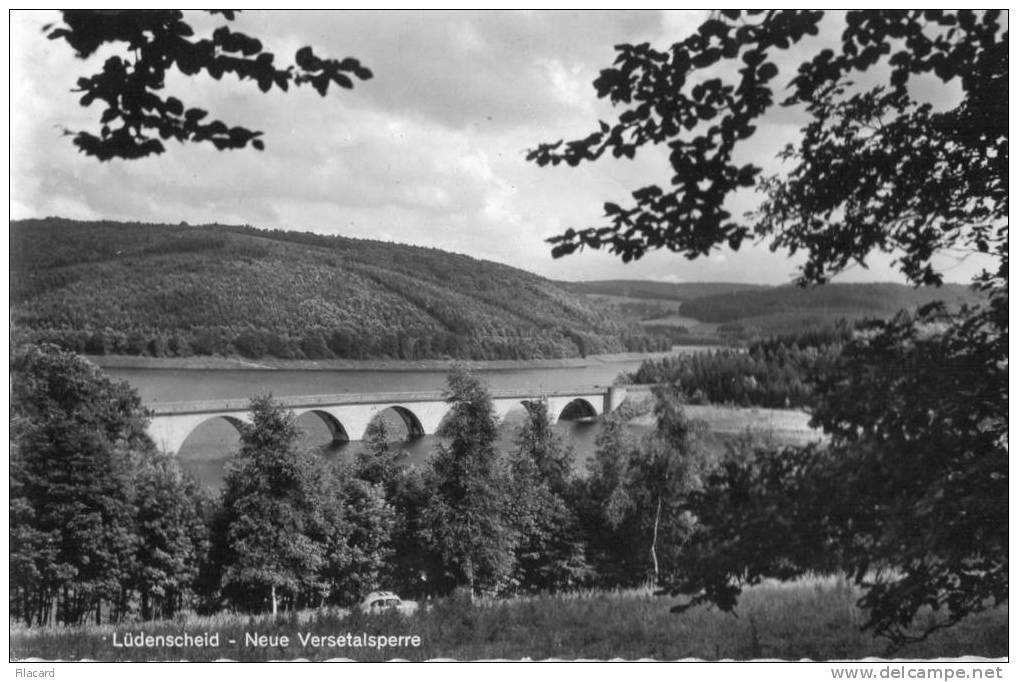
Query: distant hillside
634,288
178,290
724,313
785,304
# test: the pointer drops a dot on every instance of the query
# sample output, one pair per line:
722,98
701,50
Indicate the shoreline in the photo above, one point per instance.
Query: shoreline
206,363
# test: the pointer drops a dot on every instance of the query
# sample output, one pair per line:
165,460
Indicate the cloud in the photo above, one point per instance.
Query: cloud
430,151
458,68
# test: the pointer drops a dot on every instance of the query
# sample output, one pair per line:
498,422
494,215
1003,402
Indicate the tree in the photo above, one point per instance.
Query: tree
764,512
918,423
273,528
416,565
605,509
98,516
664,469
875,170
74,436
632,504
155,42
537,440
413,565
359,523
550,555
468,518
172,535
383,461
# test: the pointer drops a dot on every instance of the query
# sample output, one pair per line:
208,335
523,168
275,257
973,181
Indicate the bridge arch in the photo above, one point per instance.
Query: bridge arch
204,444
335,427
414,427
210,422
577,409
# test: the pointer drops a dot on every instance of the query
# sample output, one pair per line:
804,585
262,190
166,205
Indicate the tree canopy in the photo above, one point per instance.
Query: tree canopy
273,521
876,169
468,518
153,42
96,514
292,529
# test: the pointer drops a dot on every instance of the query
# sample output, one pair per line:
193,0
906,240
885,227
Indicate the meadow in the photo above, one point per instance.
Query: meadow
812,619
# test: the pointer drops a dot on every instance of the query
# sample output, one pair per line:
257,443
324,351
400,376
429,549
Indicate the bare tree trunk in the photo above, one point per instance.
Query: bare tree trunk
273,600
653,542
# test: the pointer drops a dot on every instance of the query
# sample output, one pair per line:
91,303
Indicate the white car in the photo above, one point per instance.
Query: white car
379,602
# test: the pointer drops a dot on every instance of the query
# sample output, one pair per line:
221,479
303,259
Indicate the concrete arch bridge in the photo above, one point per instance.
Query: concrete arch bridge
348,415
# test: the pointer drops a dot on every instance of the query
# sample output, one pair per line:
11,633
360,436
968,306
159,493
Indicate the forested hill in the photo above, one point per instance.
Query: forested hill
830,301
177,290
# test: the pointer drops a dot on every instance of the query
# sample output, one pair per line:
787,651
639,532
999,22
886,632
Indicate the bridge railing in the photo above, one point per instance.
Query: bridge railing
391,398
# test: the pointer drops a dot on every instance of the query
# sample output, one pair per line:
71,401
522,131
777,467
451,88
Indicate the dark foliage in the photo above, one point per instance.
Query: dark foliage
152,43
877,170
924,528
917,410
100,524
762,513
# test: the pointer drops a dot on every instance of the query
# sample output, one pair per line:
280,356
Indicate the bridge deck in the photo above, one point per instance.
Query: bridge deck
243,404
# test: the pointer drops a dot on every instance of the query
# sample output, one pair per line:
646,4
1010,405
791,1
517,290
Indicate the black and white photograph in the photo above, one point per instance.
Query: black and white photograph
509,335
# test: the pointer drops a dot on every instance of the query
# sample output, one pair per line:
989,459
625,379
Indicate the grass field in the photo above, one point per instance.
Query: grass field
811,619
693,325
789,427
783,426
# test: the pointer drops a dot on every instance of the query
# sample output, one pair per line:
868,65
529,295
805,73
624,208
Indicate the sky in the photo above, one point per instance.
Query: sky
431,151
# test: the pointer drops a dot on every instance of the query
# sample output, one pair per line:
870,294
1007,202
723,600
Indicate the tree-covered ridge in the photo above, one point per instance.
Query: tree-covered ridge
176,290
856,300
725,313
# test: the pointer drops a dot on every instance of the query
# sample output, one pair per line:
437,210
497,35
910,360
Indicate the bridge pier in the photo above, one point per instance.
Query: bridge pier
613,398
